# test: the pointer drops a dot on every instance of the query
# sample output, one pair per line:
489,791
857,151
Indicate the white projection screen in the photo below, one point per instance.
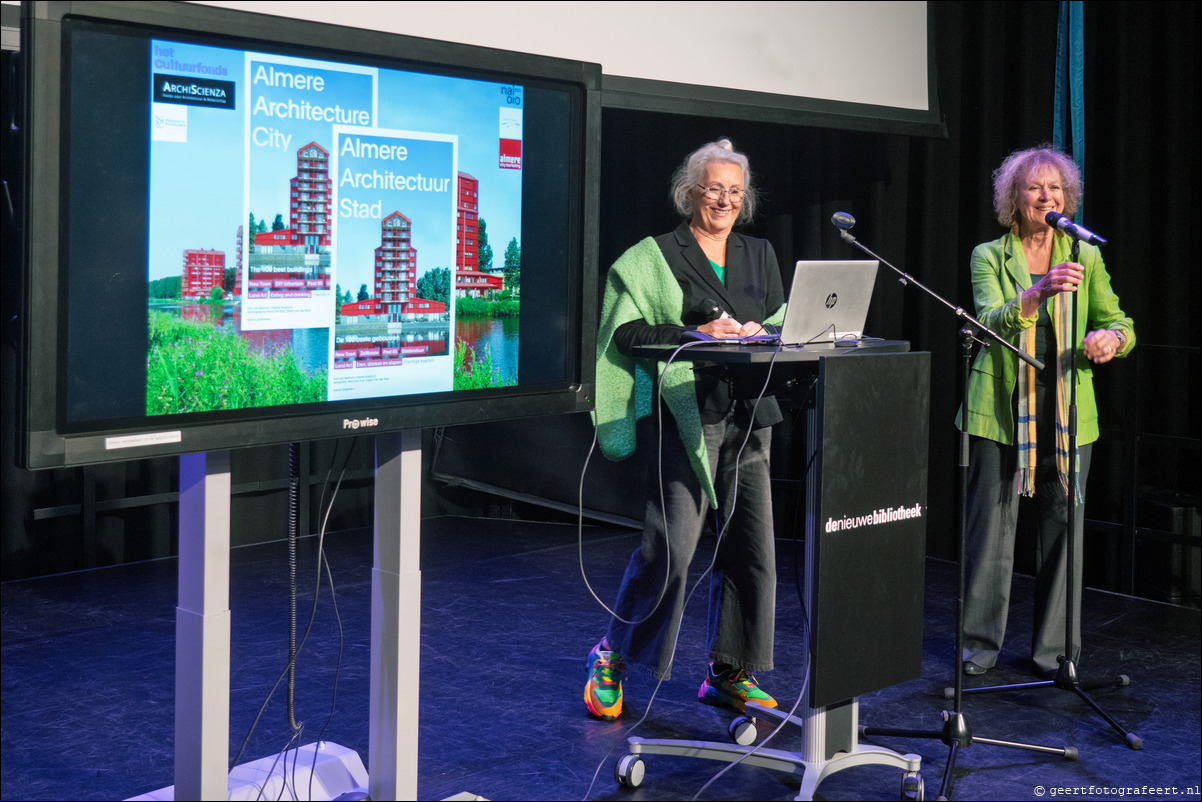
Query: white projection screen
852,65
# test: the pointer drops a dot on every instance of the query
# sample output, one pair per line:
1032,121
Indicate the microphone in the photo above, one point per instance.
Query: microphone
710,310
843,221
1057,220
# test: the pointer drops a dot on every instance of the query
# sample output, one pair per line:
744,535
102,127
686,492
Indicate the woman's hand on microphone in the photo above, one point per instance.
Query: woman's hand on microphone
722,328
1064,277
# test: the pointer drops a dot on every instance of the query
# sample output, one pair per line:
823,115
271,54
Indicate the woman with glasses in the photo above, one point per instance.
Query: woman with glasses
706,452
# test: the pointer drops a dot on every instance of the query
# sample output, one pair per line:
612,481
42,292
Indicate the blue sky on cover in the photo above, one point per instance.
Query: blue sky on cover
469,110
197,188
272,164
432,214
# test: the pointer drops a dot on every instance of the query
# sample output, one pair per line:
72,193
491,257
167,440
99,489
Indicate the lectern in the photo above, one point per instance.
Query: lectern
865,524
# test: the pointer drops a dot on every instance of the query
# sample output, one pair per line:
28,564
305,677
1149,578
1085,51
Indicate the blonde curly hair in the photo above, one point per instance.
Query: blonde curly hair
1020,167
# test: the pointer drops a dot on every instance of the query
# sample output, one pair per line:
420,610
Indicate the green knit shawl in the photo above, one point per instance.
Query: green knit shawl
641,286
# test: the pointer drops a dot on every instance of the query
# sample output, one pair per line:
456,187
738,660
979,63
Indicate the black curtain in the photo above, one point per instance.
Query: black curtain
924,203
996,78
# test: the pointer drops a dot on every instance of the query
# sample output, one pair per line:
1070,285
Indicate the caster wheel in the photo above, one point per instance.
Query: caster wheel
911,787
742,731
629,771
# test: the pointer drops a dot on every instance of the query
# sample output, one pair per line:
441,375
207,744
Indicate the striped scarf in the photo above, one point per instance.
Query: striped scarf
1062,322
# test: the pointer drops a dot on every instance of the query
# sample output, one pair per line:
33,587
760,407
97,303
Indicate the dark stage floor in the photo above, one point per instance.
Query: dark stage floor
88,674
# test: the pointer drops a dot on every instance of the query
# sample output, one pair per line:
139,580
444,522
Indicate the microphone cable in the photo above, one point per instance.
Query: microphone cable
662,500
805,626
720,527
780,725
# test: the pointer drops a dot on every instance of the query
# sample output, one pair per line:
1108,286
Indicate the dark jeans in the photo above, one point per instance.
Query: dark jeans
742,587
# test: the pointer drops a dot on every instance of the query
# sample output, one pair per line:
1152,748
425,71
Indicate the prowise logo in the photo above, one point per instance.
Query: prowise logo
365,423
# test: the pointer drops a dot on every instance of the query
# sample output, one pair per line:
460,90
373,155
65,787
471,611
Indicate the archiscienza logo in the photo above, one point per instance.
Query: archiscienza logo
190,91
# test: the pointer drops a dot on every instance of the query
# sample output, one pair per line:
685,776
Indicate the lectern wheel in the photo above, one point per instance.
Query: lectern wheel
742,731
911,787
629,771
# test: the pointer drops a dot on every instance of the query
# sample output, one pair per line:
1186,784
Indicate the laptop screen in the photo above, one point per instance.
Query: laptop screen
828,301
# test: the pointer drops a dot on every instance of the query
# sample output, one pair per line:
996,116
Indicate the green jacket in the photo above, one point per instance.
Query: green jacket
996,268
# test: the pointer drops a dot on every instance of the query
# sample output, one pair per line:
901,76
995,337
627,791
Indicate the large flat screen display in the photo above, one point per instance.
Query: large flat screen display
243,230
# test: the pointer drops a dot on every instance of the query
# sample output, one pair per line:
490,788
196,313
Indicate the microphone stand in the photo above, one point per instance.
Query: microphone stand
1066,673
956,732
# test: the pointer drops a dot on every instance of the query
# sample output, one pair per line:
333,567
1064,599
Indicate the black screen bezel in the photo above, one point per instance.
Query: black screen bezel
50,440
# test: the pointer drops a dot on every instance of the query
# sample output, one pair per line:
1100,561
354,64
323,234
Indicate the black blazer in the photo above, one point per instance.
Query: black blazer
753,291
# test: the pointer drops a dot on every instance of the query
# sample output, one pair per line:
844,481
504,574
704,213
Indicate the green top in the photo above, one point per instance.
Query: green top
720,270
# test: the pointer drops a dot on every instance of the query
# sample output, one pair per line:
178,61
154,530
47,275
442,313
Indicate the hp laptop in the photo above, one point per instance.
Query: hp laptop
828,303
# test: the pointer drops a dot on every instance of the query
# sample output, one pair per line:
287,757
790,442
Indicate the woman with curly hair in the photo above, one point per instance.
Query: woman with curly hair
1017,417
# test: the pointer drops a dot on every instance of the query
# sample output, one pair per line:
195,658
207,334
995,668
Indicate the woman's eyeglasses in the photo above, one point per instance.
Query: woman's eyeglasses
716,192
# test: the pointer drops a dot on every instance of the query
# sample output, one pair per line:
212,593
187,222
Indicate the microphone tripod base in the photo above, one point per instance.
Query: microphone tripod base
1066,679
957,734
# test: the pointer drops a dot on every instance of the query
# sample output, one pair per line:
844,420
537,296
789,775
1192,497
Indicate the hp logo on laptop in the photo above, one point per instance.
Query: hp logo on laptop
831,300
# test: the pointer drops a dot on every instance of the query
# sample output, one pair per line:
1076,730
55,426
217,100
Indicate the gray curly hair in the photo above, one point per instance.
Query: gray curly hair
1020,167
688,176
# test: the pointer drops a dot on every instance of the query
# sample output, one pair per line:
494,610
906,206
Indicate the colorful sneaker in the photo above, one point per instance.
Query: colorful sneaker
603,691
734,687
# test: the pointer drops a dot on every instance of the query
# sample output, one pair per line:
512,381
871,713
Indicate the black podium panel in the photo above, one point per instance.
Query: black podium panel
866,523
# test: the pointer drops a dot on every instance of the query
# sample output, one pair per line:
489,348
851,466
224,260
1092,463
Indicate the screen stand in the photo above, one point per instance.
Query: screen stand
395,617
202,628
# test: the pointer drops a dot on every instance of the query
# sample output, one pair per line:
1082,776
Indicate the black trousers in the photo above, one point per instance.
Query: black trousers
993,507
